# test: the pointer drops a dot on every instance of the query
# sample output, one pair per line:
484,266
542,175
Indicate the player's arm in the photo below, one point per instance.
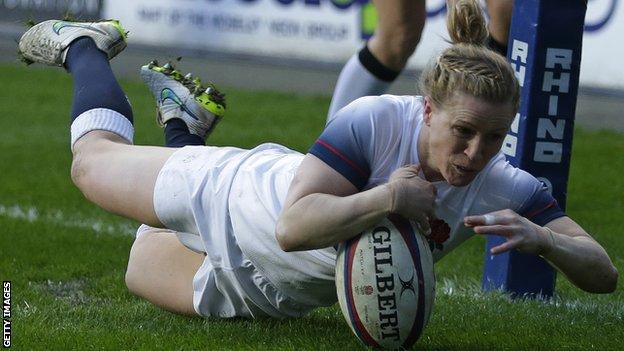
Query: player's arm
323,208
579,257
562,242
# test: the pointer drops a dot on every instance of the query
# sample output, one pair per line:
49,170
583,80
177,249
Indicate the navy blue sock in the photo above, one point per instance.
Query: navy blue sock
95,85
177,134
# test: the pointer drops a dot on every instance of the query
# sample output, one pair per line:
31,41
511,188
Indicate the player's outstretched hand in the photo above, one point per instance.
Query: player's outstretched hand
412,196
521,234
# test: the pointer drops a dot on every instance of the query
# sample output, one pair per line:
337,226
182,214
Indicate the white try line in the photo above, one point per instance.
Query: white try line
57,217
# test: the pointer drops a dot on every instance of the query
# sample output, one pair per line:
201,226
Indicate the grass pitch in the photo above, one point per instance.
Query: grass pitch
66,258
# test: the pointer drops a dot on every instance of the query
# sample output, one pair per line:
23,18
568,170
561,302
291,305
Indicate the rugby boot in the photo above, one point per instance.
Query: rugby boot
48,41
184,97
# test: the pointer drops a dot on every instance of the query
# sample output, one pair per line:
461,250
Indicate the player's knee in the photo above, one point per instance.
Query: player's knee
610,281
79,170
87,164
134,272
84,174
131,281
131,278
614,281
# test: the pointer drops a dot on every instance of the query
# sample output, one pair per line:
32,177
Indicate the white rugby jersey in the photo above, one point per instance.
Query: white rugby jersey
365,142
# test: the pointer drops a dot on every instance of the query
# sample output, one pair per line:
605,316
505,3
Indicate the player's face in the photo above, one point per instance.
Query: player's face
464,135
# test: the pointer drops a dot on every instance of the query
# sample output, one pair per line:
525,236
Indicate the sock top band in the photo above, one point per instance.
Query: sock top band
376,68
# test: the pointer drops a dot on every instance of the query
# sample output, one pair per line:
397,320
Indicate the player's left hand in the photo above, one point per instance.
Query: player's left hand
521,234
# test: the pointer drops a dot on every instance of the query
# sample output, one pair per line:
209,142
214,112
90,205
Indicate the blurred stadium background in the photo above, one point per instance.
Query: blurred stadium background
278,61
260,44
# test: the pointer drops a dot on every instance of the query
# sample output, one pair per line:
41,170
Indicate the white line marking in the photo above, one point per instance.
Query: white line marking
32,214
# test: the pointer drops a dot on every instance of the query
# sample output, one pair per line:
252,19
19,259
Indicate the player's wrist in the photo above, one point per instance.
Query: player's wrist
548,241
390,202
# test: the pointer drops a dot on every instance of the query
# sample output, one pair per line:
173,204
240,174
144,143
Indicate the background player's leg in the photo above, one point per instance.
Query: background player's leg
376,66
499,12
161,270
398,32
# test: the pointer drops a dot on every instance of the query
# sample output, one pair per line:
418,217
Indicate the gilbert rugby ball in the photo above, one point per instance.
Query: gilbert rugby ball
385,284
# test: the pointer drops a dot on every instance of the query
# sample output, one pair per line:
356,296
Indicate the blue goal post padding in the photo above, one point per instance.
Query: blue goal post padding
545,42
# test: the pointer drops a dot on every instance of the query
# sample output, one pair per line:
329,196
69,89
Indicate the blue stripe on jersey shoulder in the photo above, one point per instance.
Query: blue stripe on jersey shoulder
357,174
541,208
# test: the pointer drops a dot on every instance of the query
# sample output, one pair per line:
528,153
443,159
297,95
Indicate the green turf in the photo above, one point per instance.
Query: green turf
66,258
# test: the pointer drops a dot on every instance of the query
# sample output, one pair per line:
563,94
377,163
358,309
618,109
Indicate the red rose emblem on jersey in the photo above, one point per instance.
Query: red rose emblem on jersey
440,230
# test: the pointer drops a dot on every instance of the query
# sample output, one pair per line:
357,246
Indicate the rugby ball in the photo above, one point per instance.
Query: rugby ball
385,284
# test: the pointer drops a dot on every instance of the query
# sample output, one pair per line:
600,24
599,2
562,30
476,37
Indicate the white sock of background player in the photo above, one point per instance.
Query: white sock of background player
363,75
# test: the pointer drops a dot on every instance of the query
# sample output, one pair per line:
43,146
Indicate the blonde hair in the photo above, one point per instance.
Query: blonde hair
468,65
